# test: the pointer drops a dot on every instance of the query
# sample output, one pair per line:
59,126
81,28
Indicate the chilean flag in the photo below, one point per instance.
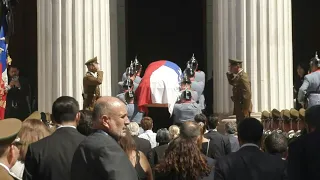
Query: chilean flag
159,85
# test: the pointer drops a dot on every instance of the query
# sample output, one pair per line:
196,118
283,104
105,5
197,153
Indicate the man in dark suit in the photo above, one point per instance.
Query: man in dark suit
250,163
303,155
51,157
222,143
18,98
99,156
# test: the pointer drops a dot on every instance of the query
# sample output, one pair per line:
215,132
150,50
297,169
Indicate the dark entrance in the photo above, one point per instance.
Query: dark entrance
166,30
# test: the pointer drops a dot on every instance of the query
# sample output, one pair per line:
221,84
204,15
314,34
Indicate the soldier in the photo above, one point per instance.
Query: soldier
127,85
9,147
91,82
186,109
138,68
197,86
240,82
309,92
134,114
131,74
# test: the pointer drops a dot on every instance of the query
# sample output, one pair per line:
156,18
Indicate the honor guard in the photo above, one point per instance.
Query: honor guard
309,92
134,114
241,89
197,86
91,82
9,147
131,74
200,76
186,109
127,85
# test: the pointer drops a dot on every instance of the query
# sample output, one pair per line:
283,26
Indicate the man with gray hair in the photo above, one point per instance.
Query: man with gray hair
231,129
99,156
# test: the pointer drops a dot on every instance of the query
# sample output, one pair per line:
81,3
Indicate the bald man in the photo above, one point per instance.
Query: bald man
100,156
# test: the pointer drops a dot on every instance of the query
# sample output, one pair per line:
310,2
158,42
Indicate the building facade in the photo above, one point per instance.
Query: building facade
256,31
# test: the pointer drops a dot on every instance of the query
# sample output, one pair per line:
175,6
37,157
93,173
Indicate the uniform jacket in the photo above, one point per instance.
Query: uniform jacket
185,111
311,83
241,88
91,88
50,158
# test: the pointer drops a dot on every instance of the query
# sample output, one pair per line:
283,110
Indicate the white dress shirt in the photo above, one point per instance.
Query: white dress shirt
150,136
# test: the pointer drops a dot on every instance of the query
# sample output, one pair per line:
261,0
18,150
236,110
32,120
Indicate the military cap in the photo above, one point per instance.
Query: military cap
189,72
137,65
192,63
265,115
285,114
9,129
235,61
93,60
294,114
186,95
186,80
315,60
275,113
128,83
302,113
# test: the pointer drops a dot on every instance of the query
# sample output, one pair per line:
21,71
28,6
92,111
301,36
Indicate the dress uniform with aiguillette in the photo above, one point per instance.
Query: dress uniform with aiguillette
9,129
91,82
309,92
241,88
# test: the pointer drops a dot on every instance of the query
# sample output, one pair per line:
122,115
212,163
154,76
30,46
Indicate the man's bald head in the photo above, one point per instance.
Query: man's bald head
104,106
189,129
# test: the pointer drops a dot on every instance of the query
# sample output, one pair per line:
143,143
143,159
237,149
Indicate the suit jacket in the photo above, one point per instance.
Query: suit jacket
51,157
143,145
100,157
234,143
310,84
241,88
157,154
91,89
304,157
221,143
250,163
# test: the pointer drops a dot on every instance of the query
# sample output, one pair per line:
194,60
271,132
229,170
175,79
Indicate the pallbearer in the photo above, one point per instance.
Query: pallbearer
241,88
309,92
91,82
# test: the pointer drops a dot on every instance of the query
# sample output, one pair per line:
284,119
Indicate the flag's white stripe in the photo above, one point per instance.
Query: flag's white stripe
164,85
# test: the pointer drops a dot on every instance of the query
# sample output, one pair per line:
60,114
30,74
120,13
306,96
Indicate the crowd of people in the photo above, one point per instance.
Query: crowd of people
105,144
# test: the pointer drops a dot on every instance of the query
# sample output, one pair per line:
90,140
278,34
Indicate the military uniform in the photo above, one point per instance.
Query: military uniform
241,89
91,89
9,129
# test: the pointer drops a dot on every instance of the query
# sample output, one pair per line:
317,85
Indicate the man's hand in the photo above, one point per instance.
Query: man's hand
17,84
12,83
97,66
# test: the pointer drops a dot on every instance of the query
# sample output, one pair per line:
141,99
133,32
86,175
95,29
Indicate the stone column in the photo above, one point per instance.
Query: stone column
69,33
258,32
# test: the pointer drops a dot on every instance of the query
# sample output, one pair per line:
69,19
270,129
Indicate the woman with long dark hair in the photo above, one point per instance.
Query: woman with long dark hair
183,159
137,158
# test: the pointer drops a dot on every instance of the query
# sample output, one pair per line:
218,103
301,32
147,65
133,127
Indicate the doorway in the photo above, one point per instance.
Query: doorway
166,30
